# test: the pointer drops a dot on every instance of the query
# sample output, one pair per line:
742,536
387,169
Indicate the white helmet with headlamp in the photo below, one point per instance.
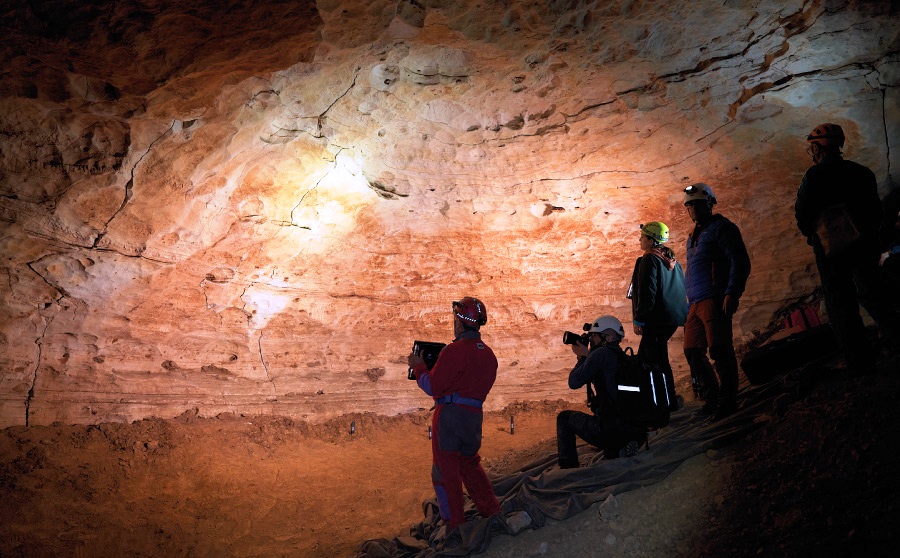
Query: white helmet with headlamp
699,192
604,323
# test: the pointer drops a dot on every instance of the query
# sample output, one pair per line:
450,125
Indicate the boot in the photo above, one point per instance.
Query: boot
725,408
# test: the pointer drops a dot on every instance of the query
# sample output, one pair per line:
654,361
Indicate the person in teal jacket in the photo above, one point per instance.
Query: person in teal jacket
658,301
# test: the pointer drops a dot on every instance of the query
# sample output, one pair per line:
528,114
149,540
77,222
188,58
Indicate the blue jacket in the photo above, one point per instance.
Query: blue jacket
717,261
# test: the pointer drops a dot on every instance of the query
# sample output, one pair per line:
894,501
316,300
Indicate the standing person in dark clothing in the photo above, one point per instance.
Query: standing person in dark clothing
460,381
658,302
596,368
890,265
717,270
840,214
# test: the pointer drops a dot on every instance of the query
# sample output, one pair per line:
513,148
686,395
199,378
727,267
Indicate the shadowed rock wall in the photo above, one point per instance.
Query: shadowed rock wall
258,208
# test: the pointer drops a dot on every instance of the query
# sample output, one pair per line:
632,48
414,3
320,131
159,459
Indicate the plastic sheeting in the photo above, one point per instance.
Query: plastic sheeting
543,490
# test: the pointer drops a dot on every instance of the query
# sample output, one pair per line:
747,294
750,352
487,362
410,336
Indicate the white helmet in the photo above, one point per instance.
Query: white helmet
603,323
699,192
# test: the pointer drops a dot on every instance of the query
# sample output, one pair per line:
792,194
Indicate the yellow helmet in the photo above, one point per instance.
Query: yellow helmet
656,231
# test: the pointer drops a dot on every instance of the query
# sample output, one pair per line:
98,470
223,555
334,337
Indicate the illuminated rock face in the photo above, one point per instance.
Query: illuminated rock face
259,209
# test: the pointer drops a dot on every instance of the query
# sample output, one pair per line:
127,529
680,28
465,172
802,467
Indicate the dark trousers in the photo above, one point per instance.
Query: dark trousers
708,327
890,275
591,429
848,280
654,349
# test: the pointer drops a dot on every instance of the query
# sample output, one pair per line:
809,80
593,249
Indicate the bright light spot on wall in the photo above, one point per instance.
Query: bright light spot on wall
264,303
543,311
347,162
330,207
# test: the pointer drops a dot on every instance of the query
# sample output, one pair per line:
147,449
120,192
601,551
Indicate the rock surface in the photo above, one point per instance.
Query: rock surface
257,208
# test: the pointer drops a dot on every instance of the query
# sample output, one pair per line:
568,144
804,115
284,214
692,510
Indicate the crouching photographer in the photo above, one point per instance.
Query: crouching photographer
598,357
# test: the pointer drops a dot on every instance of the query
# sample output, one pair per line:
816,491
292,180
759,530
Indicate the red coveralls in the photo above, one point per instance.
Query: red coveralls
459,382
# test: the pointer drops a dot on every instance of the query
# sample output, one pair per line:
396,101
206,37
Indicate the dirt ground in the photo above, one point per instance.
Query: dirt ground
820,476
231,485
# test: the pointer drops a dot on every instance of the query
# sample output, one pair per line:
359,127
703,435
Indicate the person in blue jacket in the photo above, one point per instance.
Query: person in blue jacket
715,278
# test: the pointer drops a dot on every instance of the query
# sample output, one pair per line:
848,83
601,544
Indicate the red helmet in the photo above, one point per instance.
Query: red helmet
827,135
471,311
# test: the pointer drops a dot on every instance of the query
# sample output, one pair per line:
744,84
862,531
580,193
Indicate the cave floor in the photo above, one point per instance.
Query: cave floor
818,478
230,485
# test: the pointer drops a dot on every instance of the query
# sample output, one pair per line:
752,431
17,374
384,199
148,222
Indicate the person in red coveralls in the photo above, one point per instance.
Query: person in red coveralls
460,381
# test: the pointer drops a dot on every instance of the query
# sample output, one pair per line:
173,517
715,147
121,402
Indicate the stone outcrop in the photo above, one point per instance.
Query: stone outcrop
257,207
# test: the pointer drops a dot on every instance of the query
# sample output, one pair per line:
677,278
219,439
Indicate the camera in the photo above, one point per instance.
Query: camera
429,352
570,338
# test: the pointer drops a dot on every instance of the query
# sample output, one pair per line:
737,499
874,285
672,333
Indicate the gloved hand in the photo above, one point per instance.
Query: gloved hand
414,360
730,305
580,350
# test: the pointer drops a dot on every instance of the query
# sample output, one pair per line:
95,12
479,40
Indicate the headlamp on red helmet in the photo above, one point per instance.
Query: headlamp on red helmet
470,311
827,135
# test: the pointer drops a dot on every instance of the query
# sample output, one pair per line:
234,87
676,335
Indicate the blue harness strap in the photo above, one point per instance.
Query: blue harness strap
456,398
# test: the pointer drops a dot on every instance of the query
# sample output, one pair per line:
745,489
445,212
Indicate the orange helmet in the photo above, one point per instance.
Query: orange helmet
471,311
827,135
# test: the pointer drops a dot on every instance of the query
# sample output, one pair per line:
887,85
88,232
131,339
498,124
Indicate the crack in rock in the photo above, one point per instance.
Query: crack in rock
130,184
37,365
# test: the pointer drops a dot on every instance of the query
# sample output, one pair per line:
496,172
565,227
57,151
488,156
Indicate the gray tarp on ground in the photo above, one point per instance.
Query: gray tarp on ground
545,491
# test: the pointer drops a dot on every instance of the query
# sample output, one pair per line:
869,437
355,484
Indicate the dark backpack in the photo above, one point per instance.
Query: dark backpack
645,394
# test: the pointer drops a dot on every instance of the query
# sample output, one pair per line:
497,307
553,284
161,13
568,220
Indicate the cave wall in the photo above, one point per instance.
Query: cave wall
257,207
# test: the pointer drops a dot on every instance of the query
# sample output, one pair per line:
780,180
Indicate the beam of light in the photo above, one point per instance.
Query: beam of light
264,303
329,209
